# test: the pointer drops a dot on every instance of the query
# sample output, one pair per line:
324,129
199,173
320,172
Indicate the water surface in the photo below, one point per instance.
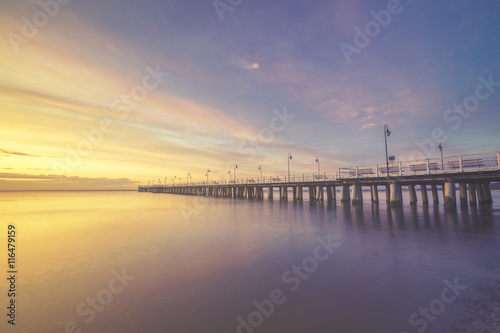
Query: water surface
192,264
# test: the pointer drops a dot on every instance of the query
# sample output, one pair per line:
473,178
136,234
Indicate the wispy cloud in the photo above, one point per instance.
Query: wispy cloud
17,153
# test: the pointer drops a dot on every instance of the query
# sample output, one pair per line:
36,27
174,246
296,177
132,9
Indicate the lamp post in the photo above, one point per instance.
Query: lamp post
235,166
229,172
386,134
289,158
317,161
173,180
440,148
260,168
187,178
165,182
208,171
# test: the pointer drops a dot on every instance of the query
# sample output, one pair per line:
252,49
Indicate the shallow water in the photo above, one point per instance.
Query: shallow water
192,264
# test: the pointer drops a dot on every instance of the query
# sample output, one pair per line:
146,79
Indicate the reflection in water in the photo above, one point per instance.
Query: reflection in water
198,268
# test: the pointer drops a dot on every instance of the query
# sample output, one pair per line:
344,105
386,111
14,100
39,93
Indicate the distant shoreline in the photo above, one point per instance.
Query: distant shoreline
67,190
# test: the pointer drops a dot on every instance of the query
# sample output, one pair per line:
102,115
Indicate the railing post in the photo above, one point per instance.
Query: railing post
498,160
377,172
357,172
400,169
461,165
428,167
339,174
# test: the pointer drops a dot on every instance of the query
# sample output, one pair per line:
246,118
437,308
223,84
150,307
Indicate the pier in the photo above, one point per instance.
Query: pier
468,175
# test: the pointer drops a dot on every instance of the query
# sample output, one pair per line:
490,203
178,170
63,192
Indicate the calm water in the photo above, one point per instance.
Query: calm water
143,262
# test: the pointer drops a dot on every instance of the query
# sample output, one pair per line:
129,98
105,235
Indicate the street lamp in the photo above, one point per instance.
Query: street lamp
260,168
208,171
317,161
229,172
440,148
165,183
235,166
289,158
187,178
173,180
386,133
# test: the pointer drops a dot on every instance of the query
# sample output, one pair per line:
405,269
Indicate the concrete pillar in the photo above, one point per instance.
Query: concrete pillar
487,193
396,194
435,196
344,194
319,193
270,192
284,192
450,200
388,193
334,193
423,191
374,194
312,193
472,194
413,194
299,193
480,193
356,194
329,193
463,194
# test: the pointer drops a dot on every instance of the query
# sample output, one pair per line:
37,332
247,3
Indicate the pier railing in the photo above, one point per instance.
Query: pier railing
431,166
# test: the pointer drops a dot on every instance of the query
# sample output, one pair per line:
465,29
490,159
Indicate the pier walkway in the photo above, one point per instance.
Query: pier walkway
472,174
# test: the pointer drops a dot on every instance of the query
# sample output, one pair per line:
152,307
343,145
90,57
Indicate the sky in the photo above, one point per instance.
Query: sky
110,94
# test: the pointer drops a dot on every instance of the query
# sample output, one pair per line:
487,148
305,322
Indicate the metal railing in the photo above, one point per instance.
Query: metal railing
431,166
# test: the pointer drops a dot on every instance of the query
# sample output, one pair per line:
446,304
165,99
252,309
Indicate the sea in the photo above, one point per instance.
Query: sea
129,262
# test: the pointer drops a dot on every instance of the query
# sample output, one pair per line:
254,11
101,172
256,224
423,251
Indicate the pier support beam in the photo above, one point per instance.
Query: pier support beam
284,192
333,196
450,200
480,194
300,193
463,194
435,196
329,193
388,193
413,194
344,193
357,194
374,193
250,192
487,193
472,194
396,194
270,192
423,191
319,193
312,193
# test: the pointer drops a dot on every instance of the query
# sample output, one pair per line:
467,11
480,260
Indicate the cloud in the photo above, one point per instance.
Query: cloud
22,181
16,153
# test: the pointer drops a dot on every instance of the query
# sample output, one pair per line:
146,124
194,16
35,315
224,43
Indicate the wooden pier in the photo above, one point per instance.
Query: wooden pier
470,175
